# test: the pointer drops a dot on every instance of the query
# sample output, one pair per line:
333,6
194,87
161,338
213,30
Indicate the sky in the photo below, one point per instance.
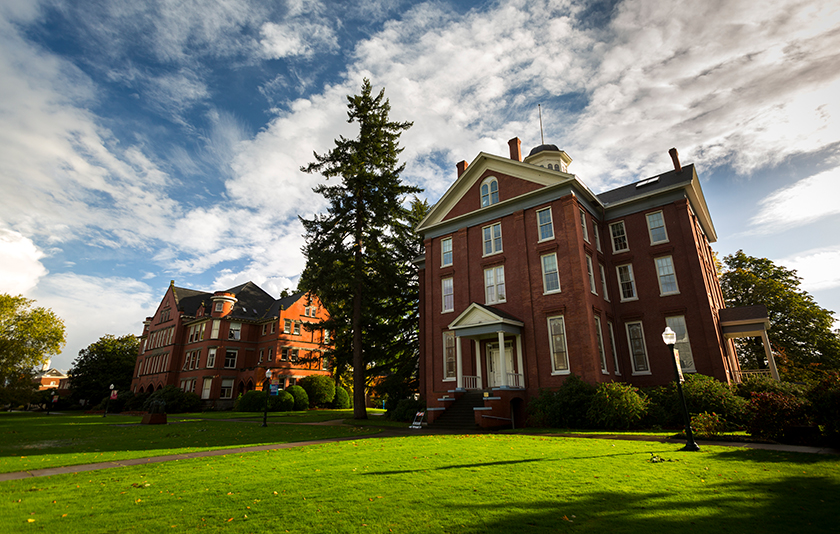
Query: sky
143,141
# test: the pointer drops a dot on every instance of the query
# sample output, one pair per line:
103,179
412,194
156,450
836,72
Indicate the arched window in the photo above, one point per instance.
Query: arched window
489,192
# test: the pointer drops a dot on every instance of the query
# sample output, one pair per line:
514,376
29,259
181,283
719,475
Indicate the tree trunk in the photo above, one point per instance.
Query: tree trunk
359,408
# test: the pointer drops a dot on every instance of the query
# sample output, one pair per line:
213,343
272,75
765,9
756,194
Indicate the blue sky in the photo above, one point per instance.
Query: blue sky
145,141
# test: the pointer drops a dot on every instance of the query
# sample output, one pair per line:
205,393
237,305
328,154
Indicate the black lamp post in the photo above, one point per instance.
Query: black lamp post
670,339
267,388
108,401
50,401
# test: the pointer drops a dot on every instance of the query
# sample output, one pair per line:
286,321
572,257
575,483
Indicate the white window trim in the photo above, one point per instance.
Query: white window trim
443,294
583,226
632,281
597,236
550,225
488,181
650,230
235,358
603,272
614,348
443,252
590,269
556,272
599,337
496,269
693,368
612,239
630,349
493,250
662,293
555,371
454,355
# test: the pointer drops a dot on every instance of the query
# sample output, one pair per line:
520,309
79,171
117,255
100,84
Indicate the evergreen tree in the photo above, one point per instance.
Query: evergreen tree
800,330
354,255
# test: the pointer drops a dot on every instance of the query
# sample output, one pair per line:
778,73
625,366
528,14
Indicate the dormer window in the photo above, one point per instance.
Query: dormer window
489,192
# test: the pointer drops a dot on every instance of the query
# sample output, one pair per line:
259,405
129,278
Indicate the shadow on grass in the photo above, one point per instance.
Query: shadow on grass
792,504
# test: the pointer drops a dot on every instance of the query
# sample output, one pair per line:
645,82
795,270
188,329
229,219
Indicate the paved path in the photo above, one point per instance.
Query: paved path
386,433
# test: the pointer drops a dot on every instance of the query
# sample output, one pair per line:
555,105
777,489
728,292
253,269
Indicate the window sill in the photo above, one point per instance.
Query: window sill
453,379
669,294
446,311
641,373
558,373
629,300
552,292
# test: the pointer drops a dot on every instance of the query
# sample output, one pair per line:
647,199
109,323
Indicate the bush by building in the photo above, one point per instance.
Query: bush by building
320,389
565,408
341,401
406,409
617,406
301,398
175,400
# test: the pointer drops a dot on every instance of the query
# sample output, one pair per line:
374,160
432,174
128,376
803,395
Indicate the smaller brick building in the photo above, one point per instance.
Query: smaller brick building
529,277
220,344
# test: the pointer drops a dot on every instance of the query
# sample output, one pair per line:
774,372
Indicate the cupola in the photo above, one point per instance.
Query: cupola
549,156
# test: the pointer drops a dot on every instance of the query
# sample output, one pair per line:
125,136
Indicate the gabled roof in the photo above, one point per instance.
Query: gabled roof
475,170
479,321
252,302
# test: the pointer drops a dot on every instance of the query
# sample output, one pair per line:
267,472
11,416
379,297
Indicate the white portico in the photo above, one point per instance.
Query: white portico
501,333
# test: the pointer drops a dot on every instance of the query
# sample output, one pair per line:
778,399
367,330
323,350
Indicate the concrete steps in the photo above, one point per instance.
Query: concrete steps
460,416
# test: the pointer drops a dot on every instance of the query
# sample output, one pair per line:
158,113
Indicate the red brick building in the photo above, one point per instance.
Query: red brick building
220,344
523,260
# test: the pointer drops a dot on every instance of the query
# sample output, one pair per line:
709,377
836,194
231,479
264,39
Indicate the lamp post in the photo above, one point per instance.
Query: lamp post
50,401
108,401
670,339
267,387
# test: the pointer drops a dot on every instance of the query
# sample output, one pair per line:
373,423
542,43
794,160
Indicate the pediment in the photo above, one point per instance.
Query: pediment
477,314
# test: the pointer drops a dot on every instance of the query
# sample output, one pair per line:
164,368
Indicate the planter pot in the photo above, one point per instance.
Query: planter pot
154,419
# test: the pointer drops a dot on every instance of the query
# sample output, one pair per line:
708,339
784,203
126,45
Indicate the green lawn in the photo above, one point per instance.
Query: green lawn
476,483
38,441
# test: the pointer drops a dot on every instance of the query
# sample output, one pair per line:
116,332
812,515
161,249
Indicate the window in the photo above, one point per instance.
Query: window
271,354
235,331
557,340
449,355
214,333
626,283
677,324
604,281
265,329
638,352
197,359
326,336
272,327
590,270
619,237
489,192
219,306
600,337
492,239
230,359
206,387
211,357
494,284
446,252
261,355
196,333
612,347
287,326
666,275
297,328
448,295
284,354
583,226
545,224
294,355
597,236
656,228
551,278
227,388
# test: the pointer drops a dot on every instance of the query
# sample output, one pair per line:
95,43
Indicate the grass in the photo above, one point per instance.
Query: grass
38,441
309,416
480,483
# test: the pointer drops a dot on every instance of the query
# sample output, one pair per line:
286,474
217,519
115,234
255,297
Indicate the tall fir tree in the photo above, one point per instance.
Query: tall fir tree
355,256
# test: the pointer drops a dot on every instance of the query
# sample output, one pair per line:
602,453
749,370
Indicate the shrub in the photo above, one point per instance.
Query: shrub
766,384
617,405
250,401
707,394
175,399
342,399
320,389
406,410
301,398
135,403
708,425
773,413
663,408
824,397
565,408
283,402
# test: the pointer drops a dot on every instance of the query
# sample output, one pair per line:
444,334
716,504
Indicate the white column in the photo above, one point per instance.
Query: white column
459,365
503,360
769,353
478,363
519,366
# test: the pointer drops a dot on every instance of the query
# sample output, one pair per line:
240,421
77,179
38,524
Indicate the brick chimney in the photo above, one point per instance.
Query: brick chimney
515,149
676,159
461,166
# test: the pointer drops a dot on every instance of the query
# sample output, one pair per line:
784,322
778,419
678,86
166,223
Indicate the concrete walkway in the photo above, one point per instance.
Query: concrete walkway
386,433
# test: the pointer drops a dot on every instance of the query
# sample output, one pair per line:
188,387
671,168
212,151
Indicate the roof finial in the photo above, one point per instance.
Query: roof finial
542,136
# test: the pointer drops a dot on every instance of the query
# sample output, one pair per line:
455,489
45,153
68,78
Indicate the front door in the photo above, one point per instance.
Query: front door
494,365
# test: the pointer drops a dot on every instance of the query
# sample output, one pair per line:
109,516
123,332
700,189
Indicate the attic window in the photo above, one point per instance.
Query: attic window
489,192
220,306
648,181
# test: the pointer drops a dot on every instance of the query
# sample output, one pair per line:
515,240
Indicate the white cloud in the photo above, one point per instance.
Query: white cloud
296,38
21,267
817,268
802,203
92,307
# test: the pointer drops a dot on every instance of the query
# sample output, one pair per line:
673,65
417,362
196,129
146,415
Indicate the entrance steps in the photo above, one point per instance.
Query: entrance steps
460,416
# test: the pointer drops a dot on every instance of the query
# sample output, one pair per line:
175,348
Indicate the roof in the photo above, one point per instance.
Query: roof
542,148
744,314
660,182
252,302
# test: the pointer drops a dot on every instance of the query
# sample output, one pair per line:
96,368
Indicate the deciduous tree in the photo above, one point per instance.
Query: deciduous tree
354,257
800,329
29,335
108,361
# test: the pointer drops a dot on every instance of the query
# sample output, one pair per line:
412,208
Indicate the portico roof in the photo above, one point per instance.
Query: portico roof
480,321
